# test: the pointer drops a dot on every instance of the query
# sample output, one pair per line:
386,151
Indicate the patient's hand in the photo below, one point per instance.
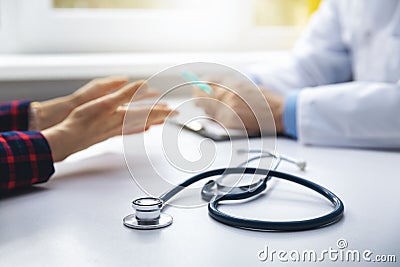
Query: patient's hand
102,118
56,110
236,103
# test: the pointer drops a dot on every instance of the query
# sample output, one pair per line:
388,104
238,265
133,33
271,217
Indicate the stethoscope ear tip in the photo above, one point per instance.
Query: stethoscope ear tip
302,165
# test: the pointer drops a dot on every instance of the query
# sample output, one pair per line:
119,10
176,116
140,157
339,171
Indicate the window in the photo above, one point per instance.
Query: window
137,4
284,12
47,26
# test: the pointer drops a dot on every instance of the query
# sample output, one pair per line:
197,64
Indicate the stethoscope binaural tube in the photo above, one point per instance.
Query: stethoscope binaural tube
259,225
207,192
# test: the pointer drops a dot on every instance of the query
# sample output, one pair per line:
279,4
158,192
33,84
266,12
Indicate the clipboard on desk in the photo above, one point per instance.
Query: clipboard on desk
213,130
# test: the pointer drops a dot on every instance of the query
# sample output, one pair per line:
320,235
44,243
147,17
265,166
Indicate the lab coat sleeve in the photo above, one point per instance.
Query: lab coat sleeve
355,114
319,57
329,109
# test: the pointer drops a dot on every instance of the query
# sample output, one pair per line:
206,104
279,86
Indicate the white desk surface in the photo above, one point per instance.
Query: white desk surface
76,218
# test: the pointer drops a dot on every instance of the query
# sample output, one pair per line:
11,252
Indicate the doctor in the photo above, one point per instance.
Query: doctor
341,85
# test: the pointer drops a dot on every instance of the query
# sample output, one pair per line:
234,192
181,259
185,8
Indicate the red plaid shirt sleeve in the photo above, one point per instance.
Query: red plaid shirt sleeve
14,116
25,157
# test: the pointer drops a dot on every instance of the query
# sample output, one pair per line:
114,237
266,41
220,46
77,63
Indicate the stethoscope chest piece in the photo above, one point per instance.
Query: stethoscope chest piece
148,214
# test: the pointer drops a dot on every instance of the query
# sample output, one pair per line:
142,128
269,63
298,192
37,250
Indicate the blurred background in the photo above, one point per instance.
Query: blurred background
51,47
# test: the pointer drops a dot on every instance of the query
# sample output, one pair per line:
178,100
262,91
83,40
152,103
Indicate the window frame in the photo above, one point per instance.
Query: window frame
53,30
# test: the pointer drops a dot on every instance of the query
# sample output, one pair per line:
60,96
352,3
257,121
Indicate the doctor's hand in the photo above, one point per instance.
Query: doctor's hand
102,118
237,103
53,111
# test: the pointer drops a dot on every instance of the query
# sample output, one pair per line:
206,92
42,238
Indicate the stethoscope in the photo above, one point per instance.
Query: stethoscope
148,210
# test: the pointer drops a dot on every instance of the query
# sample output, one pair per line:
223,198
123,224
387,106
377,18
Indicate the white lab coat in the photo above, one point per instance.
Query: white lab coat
347,66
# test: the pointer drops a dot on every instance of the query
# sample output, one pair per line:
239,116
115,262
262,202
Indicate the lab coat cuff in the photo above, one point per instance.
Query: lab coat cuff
289,114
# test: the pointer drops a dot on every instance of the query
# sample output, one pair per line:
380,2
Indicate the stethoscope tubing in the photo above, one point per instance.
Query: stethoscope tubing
259,225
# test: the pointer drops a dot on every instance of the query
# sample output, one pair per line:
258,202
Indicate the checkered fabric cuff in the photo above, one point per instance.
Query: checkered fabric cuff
25,159
14,116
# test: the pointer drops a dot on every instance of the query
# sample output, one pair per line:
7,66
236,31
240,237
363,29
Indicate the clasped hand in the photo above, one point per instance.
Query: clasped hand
238,103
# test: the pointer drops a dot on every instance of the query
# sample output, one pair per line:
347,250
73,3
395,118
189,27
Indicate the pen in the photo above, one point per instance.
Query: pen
193,78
